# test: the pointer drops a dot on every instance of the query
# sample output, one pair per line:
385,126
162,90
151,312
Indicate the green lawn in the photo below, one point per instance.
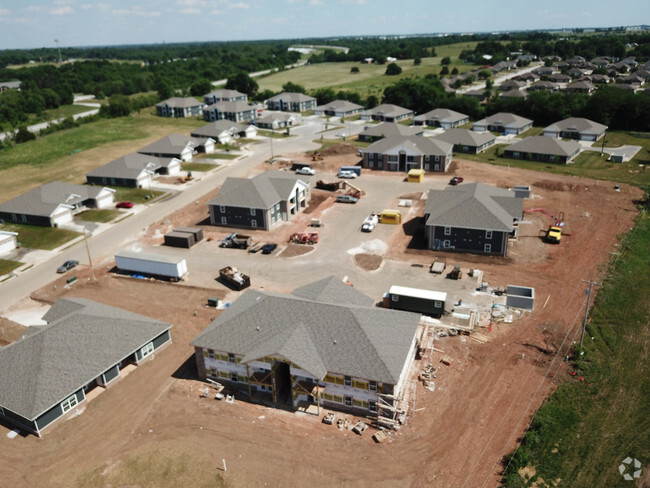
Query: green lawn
7,266
99,215
584,431
136,195
222,156
57,113
36,237
201,167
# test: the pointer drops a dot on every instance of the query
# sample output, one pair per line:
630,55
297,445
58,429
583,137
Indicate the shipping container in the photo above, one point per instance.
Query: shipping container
197,231
179,239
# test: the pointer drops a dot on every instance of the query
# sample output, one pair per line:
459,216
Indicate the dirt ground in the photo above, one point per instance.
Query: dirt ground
457,434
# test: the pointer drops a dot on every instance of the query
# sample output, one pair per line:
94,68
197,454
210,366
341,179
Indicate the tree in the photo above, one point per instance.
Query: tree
164,90
118,106
484,74
445,61
242,83
454,71
372,101
202,86
23,135
393,69
444,71
417,61
354,69
292,87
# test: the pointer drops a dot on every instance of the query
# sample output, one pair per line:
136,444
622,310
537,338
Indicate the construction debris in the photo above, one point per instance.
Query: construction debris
343,423
380,436
360,427
329,418
446,360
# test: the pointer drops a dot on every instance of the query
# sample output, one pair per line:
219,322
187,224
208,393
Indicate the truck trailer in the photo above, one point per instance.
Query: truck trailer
157,265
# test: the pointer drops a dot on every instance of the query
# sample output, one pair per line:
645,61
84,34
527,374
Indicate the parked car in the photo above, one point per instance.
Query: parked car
67,266
455,180
344,173
124,205
269,248
346,199
305,170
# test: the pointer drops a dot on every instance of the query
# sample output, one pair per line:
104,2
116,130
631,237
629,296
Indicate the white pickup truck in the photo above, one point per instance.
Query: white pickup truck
369,223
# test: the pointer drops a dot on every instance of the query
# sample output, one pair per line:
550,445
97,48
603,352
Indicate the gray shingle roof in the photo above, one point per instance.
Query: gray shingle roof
466,137
332,290
343,105
181,102
577,124
290,97
83,340
413,145
225,93
545,145
442,115
218,127
46,198
129,166
505,119
391,129
473,206
262,191
172,144
365,342
388,110
234,106
280,117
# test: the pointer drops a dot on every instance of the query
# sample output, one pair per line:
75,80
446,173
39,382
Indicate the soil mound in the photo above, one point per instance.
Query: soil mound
339,149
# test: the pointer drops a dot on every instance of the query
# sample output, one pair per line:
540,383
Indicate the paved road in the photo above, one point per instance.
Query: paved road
103,246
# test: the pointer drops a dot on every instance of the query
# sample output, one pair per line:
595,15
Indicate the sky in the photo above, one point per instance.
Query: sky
26,24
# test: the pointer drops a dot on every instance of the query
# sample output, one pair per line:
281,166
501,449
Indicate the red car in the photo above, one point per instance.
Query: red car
124,205
455,180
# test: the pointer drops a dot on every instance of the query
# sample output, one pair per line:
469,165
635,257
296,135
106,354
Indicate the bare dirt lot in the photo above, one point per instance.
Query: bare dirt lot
458,433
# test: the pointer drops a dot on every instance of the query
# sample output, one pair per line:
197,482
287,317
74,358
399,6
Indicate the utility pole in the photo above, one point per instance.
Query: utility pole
584,321
59,49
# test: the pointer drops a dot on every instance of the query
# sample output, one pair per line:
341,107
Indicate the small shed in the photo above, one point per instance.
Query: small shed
427,302
520,297
196,231
390,217
521,191
415,175
179,239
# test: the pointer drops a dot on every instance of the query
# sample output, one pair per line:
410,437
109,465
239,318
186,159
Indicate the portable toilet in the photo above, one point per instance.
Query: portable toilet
391,217
415,175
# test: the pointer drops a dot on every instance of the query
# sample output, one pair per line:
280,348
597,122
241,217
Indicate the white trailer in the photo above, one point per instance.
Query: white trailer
151,264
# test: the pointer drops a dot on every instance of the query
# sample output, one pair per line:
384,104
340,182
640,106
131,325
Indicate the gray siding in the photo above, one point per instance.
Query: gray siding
161,339
468,240
111,374
242,217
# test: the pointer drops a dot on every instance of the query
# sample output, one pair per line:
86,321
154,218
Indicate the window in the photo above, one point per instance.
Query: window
488,234
222,209
233,377
69,403
146,350
348,401
347,381
446,243
372,406
447,231
254,224
437,304
487,248
213,372
394,298
2,412
252,211
231,357
437,158
224,221
372,386
392,158
211,353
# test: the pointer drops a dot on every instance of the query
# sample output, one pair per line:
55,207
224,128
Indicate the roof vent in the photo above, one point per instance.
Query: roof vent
334,341
257,328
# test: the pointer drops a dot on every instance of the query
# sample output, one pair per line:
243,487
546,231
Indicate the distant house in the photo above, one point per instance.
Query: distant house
224,95
338,108
177,146
260,202
600,79
54,204
374,133
504,123
529,77
387,113
49,373
474,218
291,102
576,128
542,148
180,107
544,85
511,85
133,171
277,121
9,85
403,154
441,117
477,94
514,93
559,78
468,141
324,345
233,111
224,131
580,87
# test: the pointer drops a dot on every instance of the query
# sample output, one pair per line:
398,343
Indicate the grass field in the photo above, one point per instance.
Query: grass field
194,166
136,195
56,156
36,237
58,113
99,215
7,266
584,431
370,80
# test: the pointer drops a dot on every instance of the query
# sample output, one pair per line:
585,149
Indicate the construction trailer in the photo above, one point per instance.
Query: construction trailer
390,217
354,169
149,264
521,191
426,302
179,239
196,231
415,175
